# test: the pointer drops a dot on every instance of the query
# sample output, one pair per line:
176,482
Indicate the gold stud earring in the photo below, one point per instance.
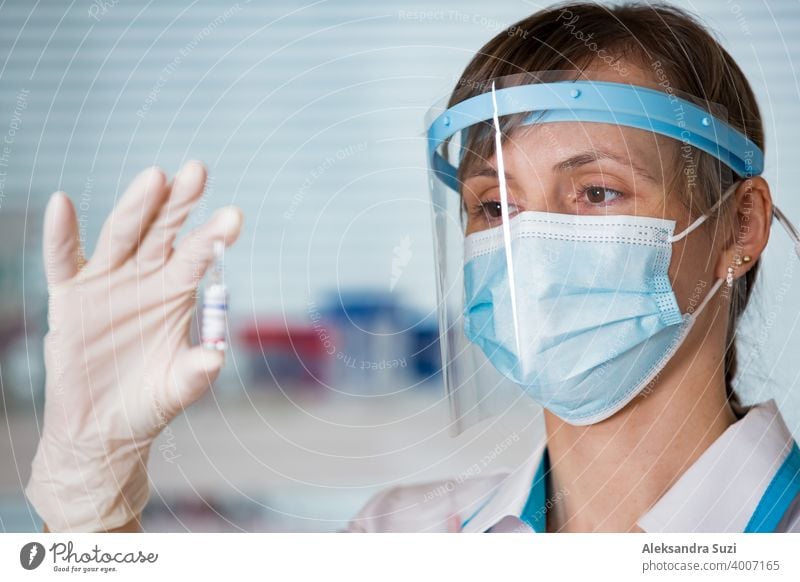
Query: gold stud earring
746,259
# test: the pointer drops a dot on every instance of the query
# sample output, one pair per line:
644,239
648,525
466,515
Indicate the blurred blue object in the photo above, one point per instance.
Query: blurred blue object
17,515
382,344
426,357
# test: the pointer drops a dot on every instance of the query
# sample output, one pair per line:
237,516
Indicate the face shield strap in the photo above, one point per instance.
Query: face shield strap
598,102
790,229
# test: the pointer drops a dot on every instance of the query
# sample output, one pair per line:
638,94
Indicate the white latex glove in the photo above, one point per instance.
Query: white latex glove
118,357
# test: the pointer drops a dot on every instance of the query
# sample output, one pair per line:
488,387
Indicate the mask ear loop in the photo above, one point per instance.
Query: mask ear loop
501,175
731,189
713,291
777,213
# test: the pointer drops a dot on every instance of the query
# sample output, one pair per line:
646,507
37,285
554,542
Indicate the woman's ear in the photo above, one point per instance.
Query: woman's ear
752,218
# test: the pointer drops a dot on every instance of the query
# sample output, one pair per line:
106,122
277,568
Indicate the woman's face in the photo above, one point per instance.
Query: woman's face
592,168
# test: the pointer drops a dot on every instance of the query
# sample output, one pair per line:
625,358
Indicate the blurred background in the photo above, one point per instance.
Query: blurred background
310,118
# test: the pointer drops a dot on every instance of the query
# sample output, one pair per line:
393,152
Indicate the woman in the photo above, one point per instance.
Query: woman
671,450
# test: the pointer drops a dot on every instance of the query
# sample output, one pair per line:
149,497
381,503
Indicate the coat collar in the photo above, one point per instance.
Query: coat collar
744,481
724,489
510,496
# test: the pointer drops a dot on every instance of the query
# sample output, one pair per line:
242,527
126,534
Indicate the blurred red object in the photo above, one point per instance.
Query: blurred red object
290,354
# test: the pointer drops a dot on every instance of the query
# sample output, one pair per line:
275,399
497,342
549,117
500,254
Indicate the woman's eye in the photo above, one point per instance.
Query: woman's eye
494,209
600,194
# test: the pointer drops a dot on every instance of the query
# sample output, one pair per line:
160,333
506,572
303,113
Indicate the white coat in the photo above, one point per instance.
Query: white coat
747,480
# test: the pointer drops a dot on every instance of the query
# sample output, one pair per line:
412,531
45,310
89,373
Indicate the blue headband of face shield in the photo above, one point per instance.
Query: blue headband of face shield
599,102
604,102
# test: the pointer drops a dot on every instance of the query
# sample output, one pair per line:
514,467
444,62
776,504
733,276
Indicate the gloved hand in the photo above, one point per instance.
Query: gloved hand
119,363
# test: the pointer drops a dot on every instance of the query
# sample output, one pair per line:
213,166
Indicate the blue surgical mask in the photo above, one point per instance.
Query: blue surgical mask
589,317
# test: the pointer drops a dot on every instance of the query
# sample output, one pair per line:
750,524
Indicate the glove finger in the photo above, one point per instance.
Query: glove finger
195,252
61,246
184,193
130,219
193,372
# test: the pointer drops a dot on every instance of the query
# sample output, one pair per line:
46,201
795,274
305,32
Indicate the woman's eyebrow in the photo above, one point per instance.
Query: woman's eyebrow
595,155
579,159
485,171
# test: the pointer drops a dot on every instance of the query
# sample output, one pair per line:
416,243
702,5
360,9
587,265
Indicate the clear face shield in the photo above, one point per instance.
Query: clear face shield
553,238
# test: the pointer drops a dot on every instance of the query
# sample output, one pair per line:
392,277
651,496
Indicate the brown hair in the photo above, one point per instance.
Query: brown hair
664,40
